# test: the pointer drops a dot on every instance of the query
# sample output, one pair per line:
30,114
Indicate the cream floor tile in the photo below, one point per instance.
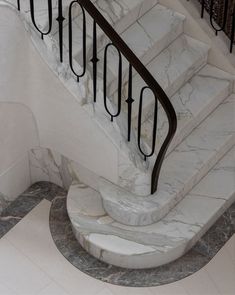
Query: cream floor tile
6,291
52,289
33,238
199,284
118,290
222,272
105,291
18,273
171,289
29,245
230,248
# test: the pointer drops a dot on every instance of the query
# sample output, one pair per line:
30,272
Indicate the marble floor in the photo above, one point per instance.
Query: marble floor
31,264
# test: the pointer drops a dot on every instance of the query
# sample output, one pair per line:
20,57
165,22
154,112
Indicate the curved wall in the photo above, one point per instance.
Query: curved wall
63,125
18,134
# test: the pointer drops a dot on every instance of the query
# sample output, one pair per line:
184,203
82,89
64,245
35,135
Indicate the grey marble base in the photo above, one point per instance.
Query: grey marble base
67,244
19,208
191,262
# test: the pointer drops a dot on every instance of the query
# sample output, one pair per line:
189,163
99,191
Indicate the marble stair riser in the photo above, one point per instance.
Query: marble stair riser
181,170
41,13
136,190
172,68
193,103
49,51
120,23
84,94
146,38
203,102
162,242
76,13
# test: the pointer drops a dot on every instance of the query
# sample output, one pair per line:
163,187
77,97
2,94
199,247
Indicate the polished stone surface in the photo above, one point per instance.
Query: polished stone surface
159,243
20,207
66,243
192,103
181,171
191,262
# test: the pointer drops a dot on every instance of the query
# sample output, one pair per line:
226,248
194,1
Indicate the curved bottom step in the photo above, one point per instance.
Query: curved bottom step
159,243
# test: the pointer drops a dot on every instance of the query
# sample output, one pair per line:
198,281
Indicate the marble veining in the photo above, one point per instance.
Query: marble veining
163,241
48,165
192,103
196,258
17,209
172,68
3,202
83,94
201,150
143,42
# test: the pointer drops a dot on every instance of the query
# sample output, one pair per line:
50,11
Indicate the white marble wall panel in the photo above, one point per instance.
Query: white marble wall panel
14,181
48,165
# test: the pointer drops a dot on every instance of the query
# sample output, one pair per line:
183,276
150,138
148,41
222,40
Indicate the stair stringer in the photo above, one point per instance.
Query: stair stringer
64,136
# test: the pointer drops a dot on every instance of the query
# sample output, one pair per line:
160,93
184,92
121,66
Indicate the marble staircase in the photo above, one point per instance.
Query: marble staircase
122,224
125,225
182,169
158,243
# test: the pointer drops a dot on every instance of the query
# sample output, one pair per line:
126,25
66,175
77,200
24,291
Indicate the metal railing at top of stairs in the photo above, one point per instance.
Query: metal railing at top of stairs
122,48
222,17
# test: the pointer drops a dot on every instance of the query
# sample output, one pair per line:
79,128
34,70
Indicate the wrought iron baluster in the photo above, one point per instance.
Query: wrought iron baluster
94,60
49,18
119,81
140,124
71,39
129,102
203,8
18,5
224,17
60,20
232,31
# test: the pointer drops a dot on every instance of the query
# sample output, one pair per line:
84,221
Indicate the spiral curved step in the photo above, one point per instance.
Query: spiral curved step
161,242
182,169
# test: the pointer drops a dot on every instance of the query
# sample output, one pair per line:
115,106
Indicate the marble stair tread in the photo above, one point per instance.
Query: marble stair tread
147,37
172,68
181,170
120,14
159,243
192,103
41,13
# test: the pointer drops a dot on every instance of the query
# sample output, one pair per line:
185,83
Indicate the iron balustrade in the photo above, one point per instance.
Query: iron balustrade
222,16
49,18
122,49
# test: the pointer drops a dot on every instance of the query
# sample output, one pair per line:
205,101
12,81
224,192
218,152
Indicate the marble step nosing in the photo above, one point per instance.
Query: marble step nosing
170,87
158,44
162,242
119,26
126,207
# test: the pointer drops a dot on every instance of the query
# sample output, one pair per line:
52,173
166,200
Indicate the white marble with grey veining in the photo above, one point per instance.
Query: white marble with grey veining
159,243
120,14
181,171
172,68
48,48
147,37
192,103
48,165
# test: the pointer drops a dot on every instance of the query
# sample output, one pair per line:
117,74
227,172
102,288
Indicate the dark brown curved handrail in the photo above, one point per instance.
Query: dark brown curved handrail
146,76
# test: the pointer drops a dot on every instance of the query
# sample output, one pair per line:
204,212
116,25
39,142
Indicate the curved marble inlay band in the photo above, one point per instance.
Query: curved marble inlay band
195,259
67,244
